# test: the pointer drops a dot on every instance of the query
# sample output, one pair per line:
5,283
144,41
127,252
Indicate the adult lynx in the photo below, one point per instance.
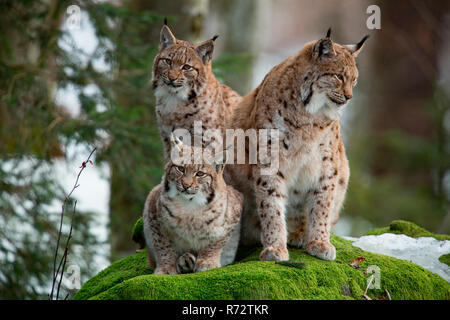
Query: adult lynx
303,97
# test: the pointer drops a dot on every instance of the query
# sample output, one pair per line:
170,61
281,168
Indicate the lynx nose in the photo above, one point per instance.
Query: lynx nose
348,93
172,76
185,185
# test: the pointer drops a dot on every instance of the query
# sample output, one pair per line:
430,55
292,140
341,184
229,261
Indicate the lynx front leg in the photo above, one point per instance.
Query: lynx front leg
166,257
320,205
209,257
271,199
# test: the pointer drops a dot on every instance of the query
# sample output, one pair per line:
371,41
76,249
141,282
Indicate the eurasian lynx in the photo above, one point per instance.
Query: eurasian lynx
186,89
192,219
303,97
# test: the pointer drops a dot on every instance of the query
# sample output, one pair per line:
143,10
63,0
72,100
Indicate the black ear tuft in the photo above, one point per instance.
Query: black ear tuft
360,44
215,37
165,21
328,33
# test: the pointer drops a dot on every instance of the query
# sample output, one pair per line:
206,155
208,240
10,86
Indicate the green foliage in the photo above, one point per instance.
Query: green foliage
31,137
29,228
130,278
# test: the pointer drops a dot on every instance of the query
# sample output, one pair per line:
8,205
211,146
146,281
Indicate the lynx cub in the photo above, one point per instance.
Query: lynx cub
192,219
303,97
186,89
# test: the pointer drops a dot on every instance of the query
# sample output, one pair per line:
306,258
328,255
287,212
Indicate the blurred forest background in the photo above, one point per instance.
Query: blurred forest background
66,89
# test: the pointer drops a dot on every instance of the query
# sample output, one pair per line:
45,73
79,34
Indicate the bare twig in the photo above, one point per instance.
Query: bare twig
62,263
367,297
388,295
367,288
66,250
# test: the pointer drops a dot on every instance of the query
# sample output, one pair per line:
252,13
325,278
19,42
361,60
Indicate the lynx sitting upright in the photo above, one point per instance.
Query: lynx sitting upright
303,97
192,219
186,89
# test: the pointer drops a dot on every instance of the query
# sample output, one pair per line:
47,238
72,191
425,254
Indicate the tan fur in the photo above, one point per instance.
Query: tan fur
192,220
184,96
303,98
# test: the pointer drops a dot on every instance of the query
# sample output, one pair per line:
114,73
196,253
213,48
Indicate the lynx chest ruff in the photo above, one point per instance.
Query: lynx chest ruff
302,165
191,225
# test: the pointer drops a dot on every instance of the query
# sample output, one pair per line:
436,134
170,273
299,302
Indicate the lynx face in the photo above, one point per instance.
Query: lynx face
181,68
191,180
328,84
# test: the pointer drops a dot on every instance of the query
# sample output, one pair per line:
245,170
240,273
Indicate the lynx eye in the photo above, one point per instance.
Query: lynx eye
180,168
200,174
355,82
186,67
168,61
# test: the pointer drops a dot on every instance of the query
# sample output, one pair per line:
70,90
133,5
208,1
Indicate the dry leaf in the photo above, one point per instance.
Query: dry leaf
356,262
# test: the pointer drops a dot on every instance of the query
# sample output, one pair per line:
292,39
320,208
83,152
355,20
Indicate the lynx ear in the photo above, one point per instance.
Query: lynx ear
356,48
219,160
166,38
323,49
176,142
205,50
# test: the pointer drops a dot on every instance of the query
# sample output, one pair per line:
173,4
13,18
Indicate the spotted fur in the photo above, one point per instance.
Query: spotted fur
303,97
192,219
186,89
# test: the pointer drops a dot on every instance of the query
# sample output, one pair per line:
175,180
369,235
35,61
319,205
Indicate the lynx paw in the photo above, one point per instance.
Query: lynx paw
166,270
203,265
186,263
274,254
321,249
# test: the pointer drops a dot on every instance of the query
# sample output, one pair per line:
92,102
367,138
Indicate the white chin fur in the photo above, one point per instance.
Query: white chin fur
193,200
321,105
164,91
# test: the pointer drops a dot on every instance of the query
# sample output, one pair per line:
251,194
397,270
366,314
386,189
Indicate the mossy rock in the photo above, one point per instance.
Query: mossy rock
408,228
445,258
304,277
137,235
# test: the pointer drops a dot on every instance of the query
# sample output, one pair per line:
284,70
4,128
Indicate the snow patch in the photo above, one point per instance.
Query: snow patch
424,251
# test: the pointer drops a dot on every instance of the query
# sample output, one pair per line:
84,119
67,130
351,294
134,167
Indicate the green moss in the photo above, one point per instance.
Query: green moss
137,235
409,229
249,278
445,258
120,271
